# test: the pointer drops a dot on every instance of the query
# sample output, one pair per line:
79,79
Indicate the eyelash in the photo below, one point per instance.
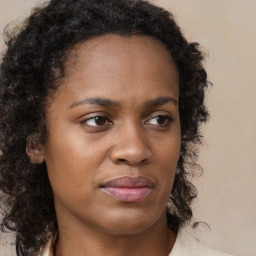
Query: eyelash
167,121
94,118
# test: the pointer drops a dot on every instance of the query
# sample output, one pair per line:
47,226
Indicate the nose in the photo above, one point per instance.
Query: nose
131,148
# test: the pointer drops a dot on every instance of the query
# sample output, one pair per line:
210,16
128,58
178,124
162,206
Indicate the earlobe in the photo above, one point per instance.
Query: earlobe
35,151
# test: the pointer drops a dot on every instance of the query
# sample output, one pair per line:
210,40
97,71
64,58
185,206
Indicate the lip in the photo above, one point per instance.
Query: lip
128,189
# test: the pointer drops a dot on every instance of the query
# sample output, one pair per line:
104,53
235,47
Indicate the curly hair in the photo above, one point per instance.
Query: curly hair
30,72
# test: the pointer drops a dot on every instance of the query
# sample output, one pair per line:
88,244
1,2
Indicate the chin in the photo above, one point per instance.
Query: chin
129,223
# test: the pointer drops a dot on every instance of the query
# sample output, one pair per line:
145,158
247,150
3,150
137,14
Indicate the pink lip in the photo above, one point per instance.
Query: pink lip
128,189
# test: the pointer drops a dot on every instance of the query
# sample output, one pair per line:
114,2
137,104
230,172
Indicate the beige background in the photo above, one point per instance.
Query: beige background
227,189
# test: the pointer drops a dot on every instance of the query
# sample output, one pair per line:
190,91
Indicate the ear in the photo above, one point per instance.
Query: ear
35,150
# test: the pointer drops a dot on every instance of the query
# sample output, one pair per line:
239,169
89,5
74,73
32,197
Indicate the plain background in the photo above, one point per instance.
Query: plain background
226,29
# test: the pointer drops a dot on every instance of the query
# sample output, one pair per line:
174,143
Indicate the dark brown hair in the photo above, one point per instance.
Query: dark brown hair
30,70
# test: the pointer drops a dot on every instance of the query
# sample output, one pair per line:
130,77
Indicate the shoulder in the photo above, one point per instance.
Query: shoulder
185,245
188,245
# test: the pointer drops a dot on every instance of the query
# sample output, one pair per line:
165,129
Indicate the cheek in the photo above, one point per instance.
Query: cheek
169,151
72,160
168,156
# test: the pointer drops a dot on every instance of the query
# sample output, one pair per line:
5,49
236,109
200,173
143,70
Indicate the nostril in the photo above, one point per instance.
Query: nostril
124,161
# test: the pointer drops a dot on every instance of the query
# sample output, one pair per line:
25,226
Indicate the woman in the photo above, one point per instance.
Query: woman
101,105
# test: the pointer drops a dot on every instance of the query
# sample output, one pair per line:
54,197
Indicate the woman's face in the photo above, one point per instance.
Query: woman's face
113,137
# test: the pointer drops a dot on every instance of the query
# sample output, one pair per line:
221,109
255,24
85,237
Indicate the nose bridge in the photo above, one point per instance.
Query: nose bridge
134,138
131,145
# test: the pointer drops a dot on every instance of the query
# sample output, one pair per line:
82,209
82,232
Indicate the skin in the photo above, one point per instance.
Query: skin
137,74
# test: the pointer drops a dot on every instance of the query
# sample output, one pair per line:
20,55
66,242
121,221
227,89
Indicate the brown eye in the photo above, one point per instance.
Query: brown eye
161,120
100,120
96,121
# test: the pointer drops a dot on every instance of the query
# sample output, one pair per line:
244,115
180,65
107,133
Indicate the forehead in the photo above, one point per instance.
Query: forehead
113,49
119,66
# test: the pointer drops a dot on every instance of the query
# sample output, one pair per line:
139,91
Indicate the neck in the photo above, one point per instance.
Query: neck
82,240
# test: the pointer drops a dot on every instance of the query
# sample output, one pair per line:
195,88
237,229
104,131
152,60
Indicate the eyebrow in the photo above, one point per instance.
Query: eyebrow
159,101
95,101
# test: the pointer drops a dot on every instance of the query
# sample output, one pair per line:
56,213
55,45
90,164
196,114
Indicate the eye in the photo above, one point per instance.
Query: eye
160,120
96,121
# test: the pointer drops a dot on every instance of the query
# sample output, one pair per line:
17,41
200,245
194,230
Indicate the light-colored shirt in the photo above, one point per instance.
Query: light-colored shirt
185,245
188,245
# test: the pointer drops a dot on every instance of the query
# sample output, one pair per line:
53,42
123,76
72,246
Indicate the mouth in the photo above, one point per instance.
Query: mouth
128,189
